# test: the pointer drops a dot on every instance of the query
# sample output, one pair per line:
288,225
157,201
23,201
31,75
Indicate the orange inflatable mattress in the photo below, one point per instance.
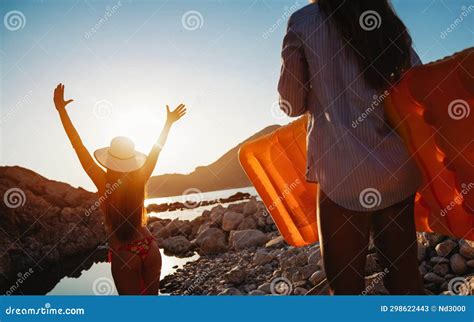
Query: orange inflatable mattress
431,110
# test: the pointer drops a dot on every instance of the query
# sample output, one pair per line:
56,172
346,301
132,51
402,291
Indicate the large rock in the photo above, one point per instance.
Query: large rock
212,241
46,222
458,264
231,220
262,257
177,245
250,207
236,276
216,215
466,248
443,249
248,223
242,239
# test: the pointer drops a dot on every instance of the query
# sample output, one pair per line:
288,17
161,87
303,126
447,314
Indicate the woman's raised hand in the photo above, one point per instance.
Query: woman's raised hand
176,114
59,98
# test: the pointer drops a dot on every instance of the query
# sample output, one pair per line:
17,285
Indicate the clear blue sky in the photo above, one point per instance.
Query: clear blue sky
142,57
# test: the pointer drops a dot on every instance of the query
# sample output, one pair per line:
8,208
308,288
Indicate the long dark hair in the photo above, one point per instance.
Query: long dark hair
379,39
124,204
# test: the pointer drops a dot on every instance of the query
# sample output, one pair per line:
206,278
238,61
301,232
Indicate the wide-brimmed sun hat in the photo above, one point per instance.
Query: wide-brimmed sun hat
120,156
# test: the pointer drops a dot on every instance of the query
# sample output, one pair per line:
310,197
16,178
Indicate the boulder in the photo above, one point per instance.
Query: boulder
433,278
212,241
466,248
216,215
231,220
177,245
443,249
458,264
241,239
317,278
236,276
247,223
262,257
250,207
441,269
231,291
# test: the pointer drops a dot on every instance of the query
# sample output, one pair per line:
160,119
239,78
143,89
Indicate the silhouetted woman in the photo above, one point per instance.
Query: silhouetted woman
340,57
134,254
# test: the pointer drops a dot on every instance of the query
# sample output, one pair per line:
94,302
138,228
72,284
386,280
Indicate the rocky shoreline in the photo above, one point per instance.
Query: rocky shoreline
243,253
45,222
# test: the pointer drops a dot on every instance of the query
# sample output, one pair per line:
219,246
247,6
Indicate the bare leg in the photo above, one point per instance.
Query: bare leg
344,238
396,243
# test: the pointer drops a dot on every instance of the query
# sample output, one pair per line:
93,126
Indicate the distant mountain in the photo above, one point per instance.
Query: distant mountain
224,173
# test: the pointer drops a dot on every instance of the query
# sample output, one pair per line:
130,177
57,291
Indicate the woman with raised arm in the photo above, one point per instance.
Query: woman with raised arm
134,254
340,58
